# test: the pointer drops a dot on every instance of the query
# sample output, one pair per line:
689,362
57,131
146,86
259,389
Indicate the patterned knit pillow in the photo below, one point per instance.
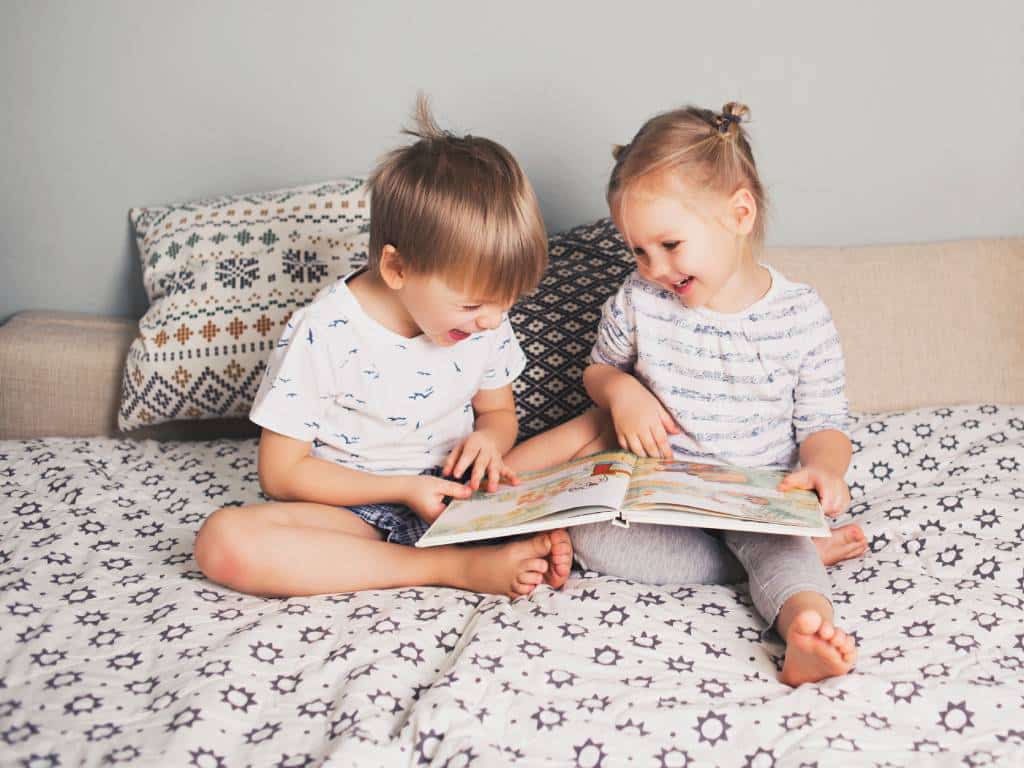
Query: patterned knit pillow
223,276
556,326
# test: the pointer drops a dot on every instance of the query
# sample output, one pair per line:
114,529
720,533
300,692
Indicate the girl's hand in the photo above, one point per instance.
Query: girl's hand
479,451
830,487
642,425
424,494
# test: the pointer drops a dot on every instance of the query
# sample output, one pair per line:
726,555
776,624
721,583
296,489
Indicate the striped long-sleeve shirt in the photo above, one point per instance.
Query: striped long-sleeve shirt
746,388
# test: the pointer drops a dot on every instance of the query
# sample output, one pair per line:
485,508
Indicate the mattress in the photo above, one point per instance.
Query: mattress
116,650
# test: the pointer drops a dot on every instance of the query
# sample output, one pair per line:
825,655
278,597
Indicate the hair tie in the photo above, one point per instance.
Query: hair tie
725,120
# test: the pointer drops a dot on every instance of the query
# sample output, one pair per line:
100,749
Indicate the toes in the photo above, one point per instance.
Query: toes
827,630
519,589
807,622
536,564
530,578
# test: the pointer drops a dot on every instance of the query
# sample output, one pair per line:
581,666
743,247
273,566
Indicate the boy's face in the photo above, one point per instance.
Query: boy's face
447,315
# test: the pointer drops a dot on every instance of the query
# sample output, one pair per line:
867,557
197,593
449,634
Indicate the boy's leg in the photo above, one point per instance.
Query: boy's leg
655,554
588,433
293,549
790,589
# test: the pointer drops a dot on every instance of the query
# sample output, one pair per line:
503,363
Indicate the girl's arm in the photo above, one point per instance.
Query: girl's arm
605,384
829,450
824,459
289,473
642,424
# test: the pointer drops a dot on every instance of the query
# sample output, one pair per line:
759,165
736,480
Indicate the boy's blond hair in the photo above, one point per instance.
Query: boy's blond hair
705,148
461,208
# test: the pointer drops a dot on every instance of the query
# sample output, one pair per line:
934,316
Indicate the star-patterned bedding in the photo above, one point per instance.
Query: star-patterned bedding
116,650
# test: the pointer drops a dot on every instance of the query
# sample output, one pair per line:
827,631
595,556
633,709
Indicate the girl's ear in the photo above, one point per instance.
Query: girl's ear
392,270
742,211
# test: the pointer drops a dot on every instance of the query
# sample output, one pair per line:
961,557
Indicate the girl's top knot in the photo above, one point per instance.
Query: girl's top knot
732,114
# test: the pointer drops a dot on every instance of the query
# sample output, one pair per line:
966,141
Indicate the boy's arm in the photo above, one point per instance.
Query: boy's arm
495,411
496,428
289,473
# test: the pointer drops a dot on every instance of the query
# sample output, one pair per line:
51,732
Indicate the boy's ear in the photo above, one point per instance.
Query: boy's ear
392,270
743,211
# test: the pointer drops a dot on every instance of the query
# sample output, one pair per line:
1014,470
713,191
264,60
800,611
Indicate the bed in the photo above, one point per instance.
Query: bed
116,650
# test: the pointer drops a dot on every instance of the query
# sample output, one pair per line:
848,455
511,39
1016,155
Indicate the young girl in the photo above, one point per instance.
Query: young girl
707,355
389,381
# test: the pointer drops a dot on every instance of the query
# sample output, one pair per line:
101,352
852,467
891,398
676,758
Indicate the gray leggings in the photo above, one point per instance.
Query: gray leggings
777,566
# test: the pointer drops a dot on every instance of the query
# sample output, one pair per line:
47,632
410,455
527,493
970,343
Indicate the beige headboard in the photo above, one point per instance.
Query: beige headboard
934,324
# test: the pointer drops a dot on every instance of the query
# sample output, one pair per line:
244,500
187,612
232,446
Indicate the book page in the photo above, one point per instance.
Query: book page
721,491
595,482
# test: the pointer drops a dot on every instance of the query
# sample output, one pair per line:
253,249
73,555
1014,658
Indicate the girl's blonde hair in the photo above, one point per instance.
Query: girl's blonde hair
459,207
705,148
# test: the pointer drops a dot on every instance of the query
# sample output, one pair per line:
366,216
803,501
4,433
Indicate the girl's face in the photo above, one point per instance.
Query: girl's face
693,244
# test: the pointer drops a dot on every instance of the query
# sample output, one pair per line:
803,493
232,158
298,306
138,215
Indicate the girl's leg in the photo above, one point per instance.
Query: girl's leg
790,589
655,554
588,433
291,549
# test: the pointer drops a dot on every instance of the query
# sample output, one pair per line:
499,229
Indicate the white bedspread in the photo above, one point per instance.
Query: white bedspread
117,651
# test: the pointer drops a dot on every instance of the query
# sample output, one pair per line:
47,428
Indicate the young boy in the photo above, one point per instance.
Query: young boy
391,380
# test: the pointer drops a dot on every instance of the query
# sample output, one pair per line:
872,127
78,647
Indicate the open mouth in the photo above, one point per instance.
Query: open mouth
682,285
456,335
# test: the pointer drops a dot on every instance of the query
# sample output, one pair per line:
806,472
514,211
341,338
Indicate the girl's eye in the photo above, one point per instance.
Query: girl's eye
670,245
472,307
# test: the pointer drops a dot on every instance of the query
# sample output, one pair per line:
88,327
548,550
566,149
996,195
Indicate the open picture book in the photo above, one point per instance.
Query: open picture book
625,489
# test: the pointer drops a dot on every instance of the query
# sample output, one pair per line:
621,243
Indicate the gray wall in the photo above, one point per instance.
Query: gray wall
873,122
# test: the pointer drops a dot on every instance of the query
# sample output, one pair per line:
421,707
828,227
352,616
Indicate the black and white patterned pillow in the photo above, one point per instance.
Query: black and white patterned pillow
556,326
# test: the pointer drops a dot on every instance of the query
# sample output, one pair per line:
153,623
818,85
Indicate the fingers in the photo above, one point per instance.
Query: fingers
466,460
669,423
480,467
455,490
493,474
661,441
635,445
449,463
509,475
650,444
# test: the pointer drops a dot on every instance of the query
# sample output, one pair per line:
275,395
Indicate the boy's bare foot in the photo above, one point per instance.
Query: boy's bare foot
846,541
560,559
512,569
815,649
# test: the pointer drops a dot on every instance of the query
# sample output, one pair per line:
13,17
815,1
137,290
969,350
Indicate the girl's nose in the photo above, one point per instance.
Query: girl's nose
657,268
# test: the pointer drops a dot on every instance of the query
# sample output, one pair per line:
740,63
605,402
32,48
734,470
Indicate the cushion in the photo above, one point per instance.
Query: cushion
556,325
223,276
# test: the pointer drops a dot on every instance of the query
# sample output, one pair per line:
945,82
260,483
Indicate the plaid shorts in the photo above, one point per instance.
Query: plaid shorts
399,524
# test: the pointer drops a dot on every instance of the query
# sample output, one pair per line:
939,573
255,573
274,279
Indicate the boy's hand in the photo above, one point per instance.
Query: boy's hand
424,494
830,487
642,425
479,451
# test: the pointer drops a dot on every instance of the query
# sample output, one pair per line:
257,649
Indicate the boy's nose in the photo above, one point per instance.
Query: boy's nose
488,321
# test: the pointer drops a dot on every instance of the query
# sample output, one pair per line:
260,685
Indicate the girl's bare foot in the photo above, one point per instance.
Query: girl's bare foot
560,559
514,569
846,541
815,649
